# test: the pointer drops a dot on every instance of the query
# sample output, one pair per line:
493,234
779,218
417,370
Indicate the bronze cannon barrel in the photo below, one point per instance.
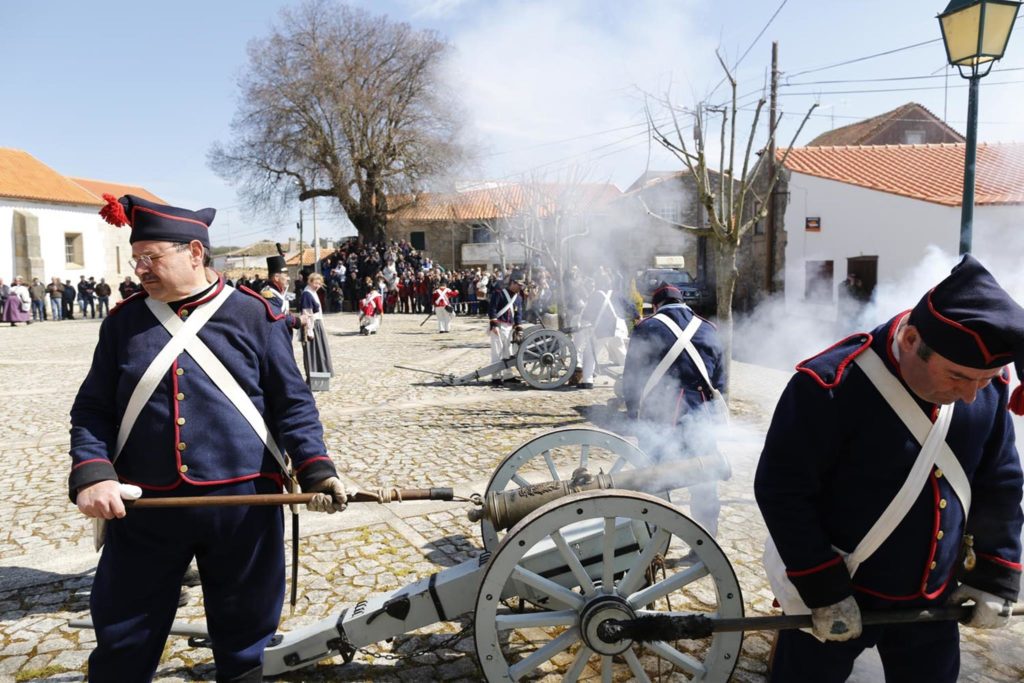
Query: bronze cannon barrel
505,509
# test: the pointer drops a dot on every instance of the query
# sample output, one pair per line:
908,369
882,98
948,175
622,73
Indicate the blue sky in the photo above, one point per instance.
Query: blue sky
136,92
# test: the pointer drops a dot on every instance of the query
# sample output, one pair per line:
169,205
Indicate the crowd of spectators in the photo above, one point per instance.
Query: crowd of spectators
57,300
403,276
406,279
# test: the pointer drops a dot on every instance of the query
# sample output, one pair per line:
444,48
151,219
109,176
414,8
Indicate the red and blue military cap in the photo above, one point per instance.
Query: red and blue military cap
969,319
158,222
665,293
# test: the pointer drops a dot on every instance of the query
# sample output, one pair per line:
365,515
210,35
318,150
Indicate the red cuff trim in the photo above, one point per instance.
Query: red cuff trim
86,462
1000,561
804,572
311,461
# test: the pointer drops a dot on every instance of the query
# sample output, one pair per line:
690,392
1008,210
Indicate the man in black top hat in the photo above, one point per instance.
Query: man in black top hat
909,420
193,391
276,293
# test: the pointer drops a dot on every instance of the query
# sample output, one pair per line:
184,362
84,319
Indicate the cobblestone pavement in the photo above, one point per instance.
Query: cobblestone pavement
384,426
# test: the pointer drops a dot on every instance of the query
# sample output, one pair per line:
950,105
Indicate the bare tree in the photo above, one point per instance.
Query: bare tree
340,103
725,196
549,217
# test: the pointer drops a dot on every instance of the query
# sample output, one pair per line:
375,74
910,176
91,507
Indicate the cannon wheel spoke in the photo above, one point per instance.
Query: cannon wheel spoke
578,447
601,526
546,358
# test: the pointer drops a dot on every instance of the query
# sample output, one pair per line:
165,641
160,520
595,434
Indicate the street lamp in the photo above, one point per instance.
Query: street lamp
975,33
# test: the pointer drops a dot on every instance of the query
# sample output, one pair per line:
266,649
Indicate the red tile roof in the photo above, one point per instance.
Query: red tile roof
308,256
22,176
99,187
502,202
862,132
932,173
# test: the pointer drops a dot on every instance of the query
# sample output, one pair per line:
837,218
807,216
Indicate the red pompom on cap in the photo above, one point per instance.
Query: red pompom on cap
113,212
1017,400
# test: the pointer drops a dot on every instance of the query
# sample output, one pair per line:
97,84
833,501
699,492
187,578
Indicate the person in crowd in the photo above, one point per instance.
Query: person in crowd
483,293
673,383
443,307
181,424
316,354
277,295
86,290
5,291
371,309
68,301
37,294
55,291
890,480
604,328
127,287
18,305
506,318
102,297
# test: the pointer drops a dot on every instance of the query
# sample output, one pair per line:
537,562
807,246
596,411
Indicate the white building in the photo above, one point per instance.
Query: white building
50,226
874,210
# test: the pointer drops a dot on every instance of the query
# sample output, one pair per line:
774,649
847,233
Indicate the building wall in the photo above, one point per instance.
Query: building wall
629,237
856,221
444,239
105,250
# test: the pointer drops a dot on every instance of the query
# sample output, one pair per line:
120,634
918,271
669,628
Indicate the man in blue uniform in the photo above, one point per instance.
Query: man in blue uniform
276,293
672,383
506,316
889,479
193,391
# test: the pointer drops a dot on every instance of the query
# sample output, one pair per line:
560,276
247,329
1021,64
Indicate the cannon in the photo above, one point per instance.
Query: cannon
545,359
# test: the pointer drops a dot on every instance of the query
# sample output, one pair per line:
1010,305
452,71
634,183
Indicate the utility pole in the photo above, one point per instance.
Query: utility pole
769,267
302,250
316,242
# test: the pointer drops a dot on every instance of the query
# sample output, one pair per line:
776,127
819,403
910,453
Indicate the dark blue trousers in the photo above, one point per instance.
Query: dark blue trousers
240,554
910,653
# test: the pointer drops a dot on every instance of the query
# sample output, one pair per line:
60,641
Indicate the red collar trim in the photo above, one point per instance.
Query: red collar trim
199,302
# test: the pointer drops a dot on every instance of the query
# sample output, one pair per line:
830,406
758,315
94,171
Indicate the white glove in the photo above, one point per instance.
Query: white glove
990,611
130,491
330,498
840,621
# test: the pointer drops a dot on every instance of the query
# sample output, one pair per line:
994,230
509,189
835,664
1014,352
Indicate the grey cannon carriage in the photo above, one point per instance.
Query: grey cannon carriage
545,359
579,551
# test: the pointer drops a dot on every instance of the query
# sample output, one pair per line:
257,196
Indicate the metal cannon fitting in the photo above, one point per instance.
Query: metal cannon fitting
504,509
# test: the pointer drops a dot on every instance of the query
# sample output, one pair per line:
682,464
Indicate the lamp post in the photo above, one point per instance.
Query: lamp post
975,33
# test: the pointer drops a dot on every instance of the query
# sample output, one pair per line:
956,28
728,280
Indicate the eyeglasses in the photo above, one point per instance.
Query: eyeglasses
146,260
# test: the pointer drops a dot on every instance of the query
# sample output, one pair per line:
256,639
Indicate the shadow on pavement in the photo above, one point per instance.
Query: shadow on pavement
42,592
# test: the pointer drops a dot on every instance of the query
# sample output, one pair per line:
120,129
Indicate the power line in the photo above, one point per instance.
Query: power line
817,93
862,59
751,46
572,139
881,80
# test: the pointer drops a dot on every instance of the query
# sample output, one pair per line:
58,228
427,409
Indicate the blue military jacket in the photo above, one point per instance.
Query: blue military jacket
682,389
280,307
513,316
834,458
189,432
